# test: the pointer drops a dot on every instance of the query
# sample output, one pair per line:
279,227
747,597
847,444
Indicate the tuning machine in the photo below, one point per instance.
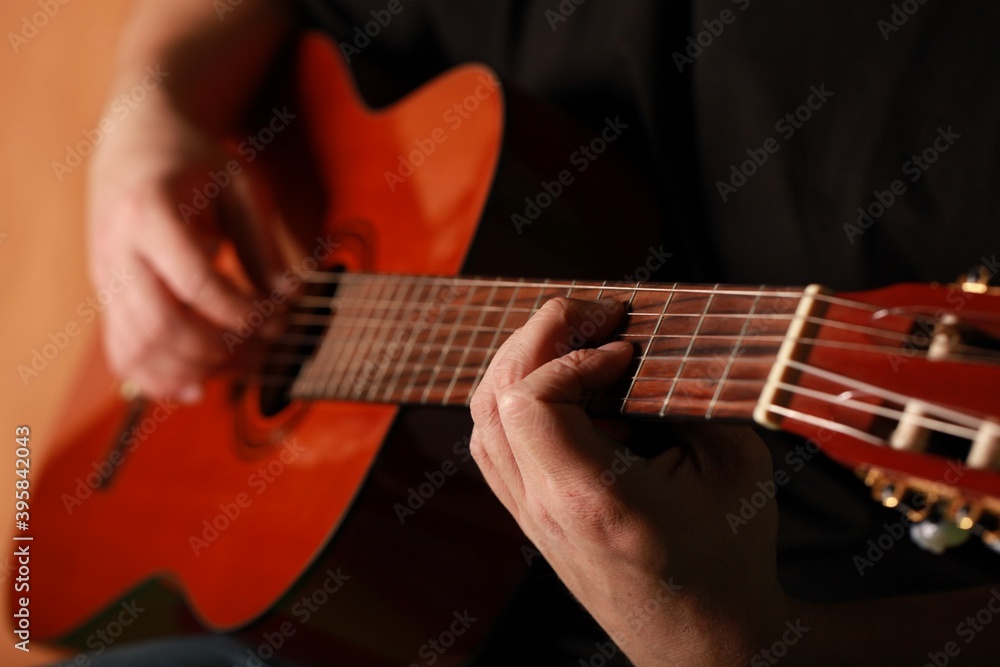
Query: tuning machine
978,280
938,515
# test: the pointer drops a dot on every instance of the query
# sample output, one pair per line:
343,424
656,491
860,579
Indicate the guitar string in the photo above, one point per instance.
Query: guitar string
880,392
827,424
761,359
806,368
333,278
969,431
823,321
714,291
950,428
858,406
304,318
336,277
774,340
970,353
880,333
917,419
342,277
675,358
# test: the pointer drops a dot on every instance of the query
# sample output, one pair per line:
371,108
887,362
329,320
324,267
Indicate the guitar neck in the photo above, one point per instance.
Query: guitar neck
701,350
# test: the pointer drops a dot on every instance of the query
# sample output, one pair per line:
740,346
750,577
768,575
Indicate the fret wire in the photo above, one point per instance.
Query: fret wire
465,351
369,337
418,325
379,356
365,342
680,368
359,352
355,338
588,398
305,377
431,336
541,287
604,286
335,343
538,297
447,346
382,349
643,357
494,343
732,357
330,349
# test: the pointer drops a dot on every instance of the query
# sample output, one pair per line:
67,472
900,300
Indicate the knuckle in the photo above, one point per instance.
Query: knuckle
483,406
476,447
157,327
193,286
573,362
506,372
596,512
514,400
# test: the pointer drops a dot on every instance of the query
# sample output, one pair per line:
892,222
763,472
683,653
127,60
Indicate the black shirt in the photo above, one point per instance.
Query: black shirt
850,144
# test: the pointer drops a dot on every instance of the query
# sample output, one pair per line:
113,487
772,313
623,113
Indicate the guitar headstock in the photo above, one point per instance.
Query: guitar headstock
902,384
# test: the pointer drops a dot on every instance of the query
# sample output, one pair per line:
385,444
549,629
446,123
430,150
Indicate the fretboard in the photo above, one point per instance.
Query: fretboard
700,350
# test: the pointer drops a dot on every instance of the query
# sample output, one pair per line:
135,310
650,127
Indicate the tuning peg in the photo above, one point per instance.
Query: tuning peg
936,536
976,280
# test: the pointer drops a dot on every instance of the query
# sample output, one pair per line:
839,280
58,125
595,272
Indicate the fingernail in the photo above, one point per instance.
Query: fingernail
190,394
616,346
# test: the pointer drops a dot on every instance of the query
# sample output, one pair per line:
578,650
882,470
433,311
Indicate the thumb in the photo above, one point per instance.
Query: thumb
248,217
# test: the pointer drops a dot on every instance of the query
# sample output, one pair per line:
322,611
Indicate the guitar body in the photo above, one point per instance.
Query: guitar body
238,513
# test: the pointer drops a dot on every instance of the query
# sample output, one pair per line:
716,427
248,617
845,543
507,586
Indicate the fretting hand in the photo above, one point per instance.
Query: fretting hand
650,554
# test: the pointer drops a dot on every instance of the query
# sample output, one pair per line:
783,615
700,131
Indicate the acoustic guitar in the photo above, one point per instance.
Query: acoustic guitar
306,488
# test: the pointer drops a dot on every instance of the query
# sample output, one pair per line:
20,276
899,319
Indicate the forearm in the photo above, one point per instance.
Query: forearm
908,630
216,53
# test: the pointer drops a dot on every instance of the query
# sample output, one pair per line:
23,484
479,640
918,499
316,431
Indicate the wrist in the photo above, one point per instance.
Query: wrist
206,66
704,628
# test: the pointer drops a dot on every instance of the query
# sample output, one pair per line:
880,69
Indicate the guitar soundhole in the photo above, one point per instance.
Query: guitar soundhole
308,318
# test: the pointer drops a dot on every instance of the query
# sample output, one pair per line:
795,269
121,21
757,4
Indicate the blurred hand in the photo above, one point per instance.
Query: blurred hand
643,543
164,330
